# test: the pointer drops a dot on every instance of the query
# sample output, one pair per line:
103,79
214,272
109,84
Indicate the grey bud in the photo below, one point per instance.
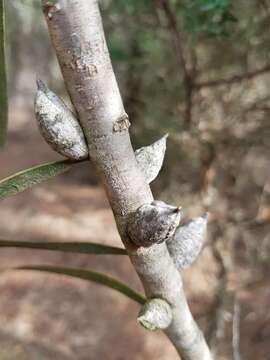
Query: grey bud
156,314
153,223
187,241
150,158
58,125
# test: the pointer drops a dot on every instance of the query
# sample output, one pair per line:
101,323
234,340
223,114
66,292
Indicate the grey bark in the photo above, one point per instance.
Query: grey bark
77,34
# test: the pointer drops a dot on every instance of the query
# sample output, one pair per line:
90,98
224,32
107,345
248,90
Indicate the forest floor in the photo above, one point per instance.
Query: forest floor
46,317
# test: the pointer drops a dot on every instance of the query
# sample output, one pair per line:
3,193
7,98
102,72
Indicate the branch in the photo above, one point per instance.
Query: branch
179,51
176,35
3,78
77,35
216,323
233,79
236,330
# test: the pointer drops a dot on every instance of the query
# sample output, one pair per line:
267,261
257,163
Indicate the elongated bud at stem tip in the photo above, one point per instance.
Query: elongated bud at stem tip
156,314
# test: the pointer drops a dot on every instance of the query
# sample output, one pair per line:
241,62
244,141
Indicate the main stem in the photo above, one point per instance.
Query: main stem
77,34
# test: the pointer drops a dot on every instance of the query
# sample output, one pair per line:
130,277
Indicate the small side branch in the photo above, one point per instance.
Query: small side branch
179,51
236,331
217,326
233,79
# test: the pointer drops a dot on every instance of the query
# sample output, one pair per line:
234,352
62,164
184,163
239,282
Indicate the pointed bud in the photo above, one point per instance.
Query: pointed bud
58,125
187,242
156,314
153,223
150,158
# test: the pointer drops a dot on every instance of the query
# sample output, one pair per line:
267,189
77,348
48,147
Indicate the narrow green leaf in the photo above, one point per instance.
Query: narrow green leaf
88,275
73,247
3,78
25,179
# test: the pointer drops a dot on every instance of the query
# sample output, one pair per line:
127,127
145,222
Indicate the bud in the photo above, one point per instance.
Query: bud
150,158
156,314
153,223
63,133
58,125
187,242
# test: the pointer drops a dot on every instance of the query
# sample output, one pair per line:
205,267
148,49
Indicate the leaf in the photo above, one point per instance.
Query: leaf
25,179
73,247
150,158
89,275
210,17
3,78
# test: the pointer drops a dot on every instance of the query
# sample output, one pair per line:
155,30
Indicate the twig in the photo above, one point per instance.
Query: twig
179,51
77,34
190,83
233,79
217,325
236,330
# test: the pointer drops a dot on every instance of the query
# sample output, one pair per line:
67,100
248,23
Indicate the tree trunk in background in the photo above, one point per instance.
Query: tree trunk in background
77,34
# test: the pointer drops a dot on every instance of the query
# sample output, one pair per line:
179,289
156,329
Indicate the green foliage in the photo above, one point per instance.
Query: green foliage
3,78
73,247
25,179
118,50
131,7
211,17
88,275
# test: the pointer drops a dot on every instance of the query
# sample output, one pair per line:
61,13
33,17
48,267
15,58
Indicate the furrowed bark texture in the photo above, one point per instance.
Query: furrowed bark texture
77,34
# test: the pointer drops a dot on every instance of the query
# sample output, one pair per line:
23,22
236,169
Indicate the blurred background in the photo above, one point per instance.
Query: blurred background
199,70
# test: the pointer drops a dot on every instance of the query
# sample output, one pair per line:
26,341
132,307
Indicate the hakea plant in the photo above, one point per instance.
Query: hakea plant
157,244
